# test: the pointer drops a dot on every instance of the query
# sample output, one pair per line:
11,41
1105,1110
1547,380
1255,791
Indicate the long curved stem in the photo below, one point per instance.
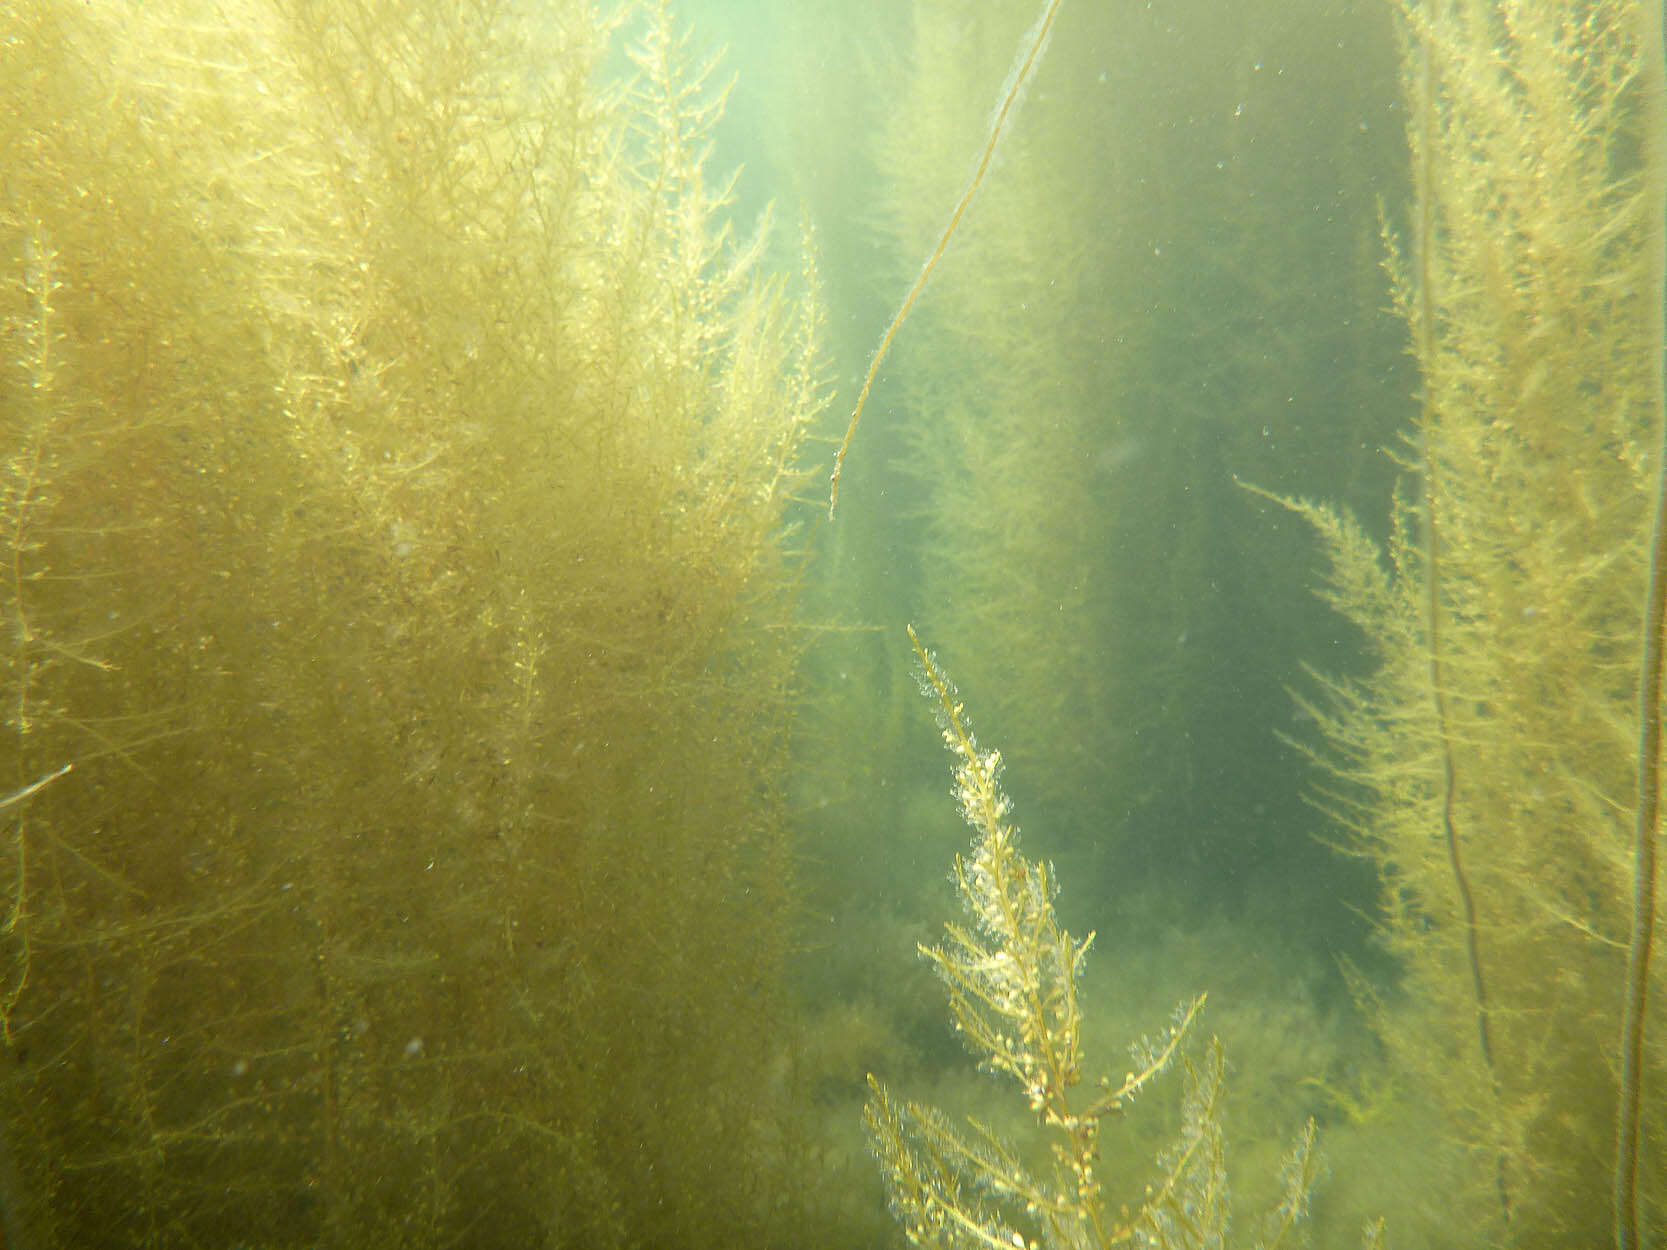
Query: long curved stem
1030,54
1653,75
1424,243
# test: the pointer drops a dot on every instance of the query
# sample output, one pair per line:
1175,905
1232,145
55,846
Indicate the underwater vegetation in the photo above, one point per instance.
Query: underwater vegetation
1012,982
396,450
1002,382
1101,342
1492,768
423,641
1492,765
1030,53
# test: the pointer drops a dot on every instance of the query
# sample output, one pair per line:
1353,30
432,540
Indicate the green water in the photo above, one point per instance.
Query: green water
501,809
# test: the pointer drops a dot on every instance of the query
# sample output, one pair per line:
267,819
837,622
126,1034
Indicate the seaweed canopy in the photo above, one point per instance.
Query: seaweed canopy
395,458
1491,764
